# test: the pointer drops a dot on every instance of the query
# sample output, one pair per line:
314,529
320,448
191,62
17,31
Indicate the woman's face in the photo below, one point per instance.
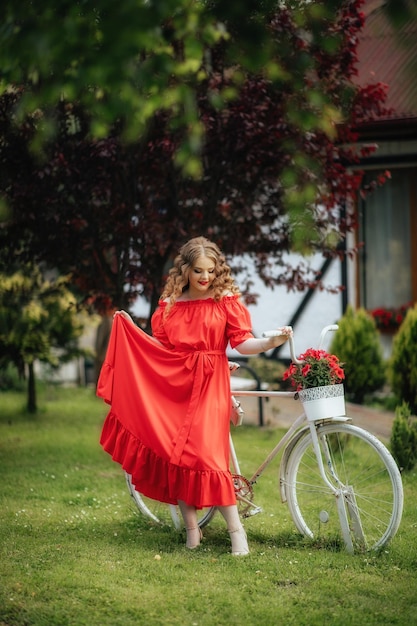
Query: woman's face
200,277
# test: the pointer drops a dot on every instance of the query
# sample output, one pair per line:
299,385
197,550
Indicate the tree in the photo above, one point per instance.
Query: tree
38,322
113,213
126,62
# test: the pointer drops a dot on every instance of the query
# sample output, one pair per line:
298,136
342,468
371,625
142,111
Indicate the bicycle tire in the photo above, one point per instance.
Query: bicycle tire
162,513
368,472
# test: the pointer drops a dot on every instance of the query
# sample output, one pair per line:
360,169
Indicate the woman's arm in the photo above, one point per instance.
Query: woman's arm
255,346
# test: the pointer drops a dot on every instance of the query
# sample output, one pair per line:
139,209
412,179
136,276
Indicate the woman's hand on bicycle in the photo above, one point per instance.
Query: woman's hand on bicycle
286,331
283,334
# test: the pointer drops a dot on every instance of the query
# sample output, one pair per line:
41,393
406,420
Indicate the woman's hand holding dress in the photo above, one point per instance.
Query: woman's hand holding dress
125,315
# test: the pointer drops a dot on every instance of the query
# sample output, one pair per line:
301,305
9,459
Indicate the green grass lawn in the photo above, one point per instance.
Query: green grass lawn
75,550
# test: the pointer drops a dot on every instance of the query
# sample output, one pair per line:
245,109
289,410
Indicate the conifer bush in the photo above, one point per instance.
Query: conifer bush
403,362
358,347
268,370
404,437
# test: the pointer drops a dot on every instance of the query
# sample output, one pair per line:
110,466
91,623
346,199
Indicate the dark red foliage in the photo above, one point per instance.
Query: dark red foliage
114,214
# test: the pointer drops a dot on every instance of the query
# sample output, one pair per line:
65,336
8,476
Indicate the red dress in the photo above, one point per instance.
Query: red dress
168,425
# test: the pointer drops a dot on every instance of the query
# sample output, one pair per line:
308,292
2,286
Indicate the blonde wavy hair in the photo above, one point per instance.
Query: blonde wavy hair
177,282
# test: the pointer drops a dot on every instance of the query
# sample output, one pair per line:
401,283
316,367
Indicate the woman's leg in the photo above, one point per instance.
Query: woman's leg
236,531
194,534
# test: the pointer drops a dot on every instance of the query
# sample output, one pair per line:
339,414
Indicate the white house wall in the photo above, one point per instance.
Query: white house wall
276,308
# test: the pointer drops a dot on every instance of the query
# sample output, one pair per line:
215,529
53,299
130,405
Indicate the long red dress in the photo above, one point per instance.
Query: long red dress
168,425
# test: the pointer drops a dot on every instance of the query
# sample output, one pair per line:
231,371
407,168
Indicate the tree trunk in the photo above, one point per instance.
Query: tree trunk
102,340
32,408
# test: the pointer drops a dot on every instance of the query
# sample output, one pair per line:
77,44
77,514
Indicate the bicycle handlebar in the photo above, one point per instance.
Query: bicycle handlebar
278,333
326,329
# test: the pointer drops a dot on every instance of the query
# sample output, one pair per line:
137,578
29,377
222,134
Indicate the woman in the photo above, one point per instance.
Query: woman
170,394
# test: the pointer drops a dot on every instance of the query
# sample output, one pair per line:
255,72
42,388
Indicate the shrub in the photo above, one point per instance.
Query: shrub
10,379
404,438
403,362
357,345
269,371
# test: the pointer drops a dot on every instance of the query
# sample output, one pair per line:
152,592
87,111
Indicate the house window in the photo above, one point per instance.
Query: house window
388,264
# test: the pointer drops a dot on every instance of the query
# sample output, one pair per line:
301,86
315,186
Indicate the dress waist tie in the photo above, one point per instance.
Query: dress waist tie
203,365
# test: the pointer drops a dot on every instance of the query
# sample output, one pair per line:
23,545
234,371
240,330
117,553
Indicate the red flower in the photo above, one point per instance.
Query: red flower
318,368
390,317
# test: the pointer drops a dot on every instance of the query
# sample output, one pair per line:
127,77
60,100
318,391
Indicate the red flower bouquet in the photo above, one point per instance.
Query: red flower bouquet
318,369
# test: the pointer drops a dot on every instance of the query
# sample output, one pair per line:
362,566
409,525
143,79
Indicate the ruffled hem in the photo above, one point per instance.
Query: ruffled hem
161,480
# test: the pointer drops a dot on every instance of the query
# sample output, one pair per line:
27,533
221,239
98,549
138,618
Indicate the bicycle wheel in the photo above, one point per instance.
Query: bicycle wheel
366,480
162,513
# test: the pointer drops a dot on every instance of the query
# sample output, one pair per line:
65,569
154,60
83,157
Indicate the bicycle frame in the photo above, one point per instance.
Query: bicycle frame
291,433
347,508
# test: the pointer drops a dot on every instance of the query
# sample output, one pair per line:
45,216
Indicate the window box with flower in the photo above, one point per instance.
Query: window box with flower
318,381
389,319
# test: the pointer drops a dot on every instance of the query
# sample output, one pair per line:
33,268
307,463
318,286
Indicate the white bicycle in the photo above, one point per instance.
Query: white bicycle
341,484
